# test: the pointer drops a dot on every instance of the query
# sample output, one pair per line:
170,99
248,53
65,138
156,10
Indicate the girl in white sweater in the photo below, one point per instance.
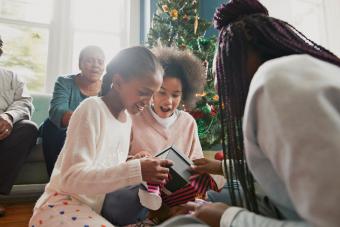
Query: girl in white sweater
93,159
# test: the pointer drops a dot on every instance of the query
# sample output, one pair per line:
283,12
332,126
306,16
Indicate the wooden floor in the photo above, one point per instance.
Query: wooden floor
17,214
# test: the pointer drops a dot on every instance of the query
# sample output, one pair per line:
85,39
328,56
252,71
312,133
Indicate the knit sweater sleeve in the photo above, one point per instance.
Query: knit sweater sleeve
60,100
79,172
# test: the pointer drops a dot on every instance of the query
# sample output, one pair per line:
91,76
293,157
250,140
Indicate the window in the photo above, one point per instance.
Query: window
317,19
43,38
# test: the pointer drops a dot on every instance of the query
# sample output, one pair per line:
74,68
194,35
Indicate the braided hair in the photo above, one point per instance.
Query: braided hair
1,46
244,26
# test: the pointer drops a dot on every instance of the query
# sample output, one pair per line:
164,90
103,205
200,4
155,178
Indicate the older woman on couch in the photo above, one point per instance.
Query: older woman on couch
68,92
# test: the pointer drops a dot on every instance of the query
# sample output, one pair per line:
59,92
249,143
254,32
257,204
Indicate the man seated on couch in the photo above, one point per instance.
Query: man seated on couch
17,134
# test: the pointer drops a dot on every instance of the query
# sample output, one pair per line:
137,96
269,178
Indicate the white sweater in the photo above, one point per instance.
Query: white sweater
92,161
291,133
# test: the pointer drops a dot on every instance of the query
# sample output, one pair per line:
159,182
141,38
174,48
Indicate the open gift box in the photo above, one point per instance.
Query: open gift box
180,188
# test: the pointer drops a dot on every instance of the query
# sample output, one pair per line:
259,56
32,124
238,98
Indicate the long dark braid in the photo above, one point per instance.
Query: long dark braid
245,25
1,46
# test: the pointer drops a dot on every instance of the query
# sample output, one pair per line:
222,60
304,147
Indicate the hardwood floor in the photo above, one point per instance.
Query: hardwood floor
17,214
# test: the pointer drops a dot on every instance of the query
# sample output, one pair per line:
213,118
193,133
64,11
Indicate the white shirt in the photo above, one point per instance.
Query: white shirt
165,122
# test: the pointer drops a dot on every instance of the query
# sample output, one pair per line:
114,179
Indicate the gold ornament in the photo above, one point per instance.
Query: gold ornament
165,8
215,98
195,24
174,14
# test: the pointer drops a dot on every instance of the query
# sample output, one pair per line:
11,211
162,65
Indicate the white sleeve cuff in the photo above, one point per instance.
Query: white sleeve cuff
229,215
135,172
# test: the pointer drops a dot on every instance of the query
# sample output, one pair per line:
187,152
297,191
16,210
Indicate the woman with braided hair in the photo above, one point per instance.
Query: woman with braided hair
279,102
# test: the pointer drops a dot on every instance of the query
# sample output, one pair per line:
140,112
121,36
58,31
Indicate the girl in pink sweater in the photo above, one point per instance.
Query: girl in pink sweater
163,124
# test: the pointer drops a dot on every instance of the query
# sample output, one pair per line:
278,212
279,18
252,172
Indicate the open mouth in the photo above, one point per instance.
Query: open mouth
139,107
165,109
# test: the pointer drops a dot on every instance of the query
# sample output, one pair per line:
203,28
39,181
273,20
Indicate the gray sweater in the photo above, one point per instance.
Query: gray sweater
14,98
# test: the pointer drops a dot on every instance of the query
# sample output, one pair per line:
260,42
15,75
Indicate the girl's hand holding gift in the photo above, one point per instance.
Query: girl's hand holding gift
155,170
142,154
204,165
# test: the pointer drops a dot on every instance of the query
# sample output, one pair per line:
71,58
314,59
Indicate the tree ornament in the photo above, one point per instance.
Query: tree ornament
174,14
185,18
165,8
219,155
195,25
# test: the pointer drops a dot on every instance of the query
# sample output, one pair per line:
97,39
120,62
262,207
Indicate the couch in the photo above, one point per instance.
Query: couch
33,175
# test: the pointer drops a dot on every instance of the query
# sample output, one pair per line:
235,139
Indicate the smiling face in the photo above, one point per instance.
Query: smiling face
92,65
135,94
167,99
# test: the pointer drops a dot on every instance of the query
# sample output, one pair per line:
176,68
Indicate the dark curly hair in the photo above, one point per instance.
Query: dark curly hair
244,27
185,66
130,63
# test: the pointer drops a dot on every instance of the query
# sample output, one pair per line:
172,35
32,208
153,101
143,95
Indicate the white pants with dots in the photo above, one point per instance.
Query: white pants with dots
67,213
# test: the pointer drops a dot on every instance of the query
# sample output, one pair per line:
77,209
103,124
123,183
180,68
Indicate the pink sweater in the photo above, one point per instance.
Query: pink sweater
149,135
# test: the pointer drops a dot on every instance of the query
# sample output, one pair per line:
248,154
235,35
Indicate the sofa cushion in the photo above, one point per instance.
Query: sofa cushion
36,154
34,168
41,103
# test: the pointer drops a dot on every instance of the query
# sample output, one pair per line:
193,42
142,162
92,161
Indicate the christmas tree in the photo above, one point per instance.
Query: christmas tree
177,23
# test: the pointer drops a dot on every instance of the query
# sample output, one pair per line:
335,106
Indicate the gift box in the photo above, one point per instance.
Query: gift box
179,171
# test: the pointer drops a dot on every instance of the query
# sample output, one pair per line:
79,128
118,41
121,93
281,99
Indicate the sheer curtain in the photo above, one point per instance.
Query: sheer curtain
319,20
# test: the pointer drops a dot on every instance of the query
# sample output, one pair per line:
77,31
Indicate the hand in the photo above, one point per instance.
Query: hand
191,206
178,210
6,126
155,170
211,213
66,118
204,165
142,154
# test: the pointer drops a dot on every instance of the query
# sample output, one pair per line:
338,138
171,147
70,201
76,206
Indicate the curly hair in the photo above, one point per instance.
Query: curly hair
185,66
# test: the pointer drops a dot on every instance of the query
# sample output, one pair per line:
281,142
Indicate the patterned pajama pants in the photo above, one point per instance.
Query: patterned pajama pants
67,213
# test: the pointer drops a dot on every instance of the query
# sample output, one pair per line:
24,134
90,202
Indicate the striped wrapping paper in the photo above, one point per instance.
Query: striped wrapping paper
197,188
